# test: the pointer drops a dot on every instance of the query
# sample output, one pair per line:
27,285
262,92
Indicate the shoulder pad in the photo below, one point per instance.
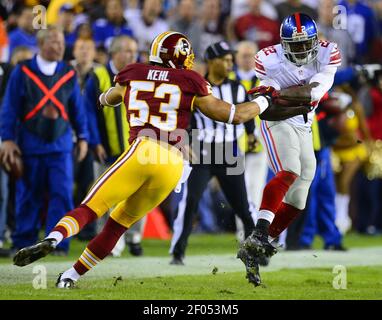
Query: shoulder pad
328,52
268,59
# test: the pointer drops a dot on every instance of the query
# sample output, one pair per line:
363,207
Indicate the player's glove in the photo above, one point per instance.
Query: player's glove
264,90
279,109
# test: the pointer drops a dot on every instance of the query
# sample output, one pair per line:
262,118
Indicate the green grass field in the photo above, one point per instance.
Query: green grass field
211,272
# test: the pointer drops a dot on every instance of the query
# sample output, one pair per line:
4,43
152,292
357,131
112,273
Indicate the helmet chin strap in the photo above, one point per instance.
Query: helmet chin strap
172,65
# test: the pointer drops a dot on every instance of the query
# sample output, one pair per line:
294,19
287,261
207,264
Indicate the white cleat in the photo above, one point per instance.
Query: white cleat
66,283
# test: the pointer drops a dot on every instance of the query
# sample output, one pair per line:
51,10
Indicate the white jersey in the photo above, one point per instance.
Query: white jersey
274,69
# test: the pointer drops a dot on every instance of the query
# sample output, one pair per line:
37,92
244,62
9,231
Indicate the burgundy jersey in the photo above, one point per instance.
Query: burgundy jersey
159,98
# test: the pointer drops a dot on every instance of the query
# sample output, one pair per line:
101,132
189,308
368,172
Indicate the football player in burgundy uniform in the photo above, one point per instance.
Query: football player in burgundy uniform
159,99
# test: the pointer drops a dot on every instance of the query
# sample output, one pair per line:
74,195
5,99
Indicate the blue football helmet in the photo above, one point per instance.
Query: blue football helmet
299,39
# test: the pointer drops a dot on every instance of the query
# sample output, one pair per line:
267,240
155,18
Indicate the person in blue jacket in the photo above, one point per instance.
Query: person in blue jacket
24,34
41,106
105,29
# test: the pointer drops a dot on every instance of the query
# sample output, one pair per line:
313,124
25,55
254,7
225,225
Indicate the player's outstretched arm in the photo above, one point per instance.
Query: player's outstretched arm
112,97
300,94
219,110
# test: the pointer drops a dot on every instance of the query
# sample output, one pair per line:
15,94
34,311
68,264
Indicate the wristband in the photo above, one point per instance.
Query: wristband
232,114
262,102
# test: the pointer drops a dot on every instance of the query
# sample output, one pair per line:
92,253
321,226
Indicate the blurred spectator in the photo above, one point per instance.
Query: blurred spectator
187,24
289,7
41,102
257,28
351,153
84,53
93,9
4,46
147,24
3,11
244,69
339,36
378,10
169,8
55,7
362,26
66,23
19,54
114,24
369,219
24,34
377,48
5,70
320,212
374,119
213,24
241,7
101,56
84,31
109,128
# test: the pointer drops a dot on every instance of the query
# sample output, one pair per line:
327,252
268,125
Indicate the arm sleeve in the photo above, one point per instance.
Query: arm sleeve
325,80
90,102
78,114
11,106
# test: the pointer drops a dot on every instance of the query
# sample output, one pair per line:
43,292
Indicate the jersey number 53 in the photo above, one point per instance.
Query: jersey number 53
144,114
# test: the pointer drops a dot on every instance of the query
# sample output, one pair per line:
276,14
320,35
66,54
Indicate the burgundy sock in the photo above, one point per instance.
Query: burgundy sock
75,220
100,247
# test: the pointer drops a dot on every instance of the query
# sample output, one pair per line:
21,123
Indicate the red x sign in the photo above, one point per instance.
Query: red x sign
49,94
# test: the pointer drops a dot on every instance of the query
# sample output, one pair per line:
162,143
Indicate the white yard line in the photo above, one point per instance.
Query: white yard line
149,267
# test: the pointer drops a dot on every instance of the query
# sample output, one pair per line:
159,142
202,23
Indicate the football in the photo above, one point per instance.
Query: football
15,169
286,103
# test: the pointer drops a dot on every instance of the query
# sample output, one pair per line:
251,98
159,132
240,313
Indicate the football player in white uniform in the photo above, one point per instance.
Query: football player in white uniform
301,69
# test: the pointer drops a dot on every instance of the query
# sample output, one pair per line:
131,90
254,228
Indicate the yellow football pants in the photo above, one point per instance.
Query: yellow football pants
141,178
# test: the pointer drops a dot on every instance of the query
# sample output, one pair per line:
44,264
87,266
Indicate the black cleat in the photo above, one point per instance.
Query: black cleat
263,261
30,254
251,265
177,260
66,283
135,249
258,245
255,250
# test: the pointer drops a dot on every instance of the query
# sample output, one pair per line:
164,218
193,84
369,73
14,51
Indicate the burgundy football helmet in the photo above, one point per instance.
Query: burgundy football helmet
173,50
